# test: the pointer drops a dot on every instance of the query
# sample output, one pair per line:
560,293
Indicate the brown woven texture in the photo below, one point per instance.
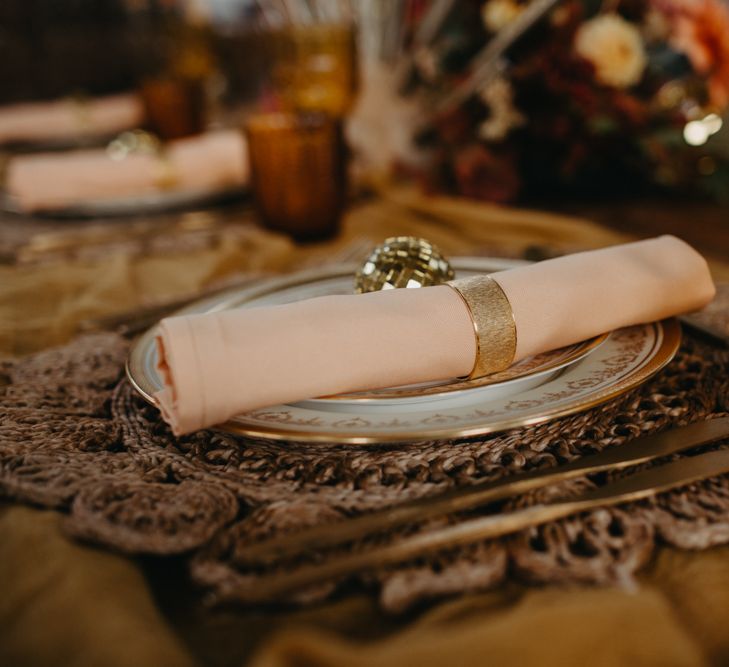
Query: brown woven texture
76,437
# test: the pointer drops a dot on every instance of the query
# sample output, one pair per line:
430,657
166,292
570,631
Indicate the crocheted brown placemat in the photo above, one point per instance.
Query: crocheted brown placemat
76,437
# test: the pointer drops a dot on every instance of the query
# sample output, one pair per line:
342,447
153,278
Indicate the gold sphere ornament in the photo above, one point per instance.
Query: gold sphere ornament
403,261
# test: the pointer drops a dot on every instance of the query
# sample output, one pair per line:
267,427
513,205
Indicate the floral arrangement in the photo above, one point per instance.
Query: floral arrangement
621,94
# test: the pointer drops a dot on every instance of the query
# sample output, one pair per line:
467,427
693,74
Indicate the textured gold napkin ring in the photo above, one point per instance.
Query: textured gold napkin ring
493,323
166,177
4,164
81,111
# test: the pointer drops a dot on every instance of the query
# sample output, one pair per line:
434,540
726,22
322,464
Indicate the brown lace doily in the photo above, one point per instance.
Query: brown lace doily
76,437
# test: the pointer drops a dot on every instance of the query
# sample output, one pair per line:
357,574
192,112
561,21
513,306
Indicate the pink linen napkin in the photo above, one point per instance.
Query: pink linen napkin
210,161
218,365
68,119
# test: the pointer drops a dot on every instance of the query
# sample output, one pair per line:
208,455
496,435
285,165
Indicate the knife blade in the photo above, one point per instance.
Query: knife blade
635,452
634,487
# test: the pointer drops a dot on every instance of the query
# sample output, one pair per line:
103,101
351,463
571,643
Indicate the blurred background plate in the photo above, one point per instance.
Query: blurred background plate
157,202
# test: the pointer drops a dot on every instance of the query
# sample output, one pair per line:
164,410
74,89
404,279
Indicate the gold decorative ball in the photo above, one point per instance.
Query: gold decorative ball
403,261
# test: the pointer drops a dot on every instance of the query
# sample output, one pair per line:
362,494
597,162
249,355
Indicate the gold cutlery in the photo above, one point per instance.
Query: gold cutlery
640,450
638,486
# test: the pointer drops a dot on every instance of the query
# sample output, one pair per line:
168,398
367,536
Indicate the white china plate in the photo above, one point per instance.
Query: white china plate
606,368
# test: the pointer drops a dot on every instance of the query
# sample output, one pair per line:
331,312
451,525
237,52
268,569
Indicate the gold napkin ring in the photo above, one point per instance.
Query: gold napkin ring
493,323
166,177
81,110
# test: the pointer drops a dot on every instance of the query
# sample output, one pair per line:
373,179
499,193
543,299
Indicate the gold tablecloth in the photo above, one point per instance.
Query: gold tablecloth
65,276
65,603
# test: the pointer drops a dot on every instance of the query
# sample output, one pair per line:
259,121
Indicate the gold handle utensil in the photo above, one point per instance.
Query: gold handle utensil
639,486
635,487
640,450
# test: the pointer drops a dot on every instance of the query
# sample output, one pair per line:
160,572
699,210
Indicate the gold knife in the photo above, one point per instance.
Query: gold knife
640,450
635,487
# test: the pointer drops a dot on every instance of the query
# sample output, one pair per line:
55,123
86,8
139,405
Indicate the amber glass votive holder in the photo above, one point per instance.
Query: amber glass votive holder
314,67
298,172
175,107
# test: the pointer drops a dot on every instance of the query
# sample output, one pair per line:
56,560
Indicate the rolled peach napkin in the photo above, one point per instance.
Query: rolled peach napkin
218,365
210,161
70,119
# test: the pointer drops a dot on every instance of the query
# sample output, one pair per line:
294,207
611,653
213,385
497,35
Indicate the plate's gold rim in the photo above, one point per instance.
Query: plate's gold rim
669,344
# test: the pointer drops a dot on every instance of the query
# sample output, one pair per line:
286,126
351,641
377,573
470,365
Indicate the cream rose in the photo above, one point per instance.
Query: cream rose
497,14
614,47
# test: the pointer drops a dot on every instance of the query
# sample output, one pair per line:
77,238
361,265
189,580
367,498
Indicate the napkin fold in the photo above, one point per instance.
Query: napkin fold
211,161
217,365
70,119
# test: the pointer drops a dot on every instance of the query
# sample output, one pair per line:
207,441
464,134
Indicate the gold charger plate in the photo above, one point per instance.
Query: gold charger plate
616,364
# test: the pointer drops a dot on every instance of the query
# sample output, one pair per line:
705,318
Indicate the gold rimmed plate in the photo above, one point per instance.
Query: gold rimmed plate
606,368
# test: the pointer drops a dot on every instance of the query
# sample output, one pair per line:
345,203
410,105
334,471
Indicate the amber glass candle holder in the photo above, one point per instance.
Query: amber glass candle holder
175,107
298,172
314,67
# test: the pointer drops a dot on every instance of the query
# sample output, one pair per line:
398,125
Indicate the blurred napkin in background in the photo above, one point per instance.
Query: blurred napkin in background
69,119
208,162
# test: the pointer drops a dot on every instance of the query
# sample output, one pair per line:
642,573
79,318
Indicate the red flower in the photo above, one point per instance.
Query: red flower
701,31
482,174
455,126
